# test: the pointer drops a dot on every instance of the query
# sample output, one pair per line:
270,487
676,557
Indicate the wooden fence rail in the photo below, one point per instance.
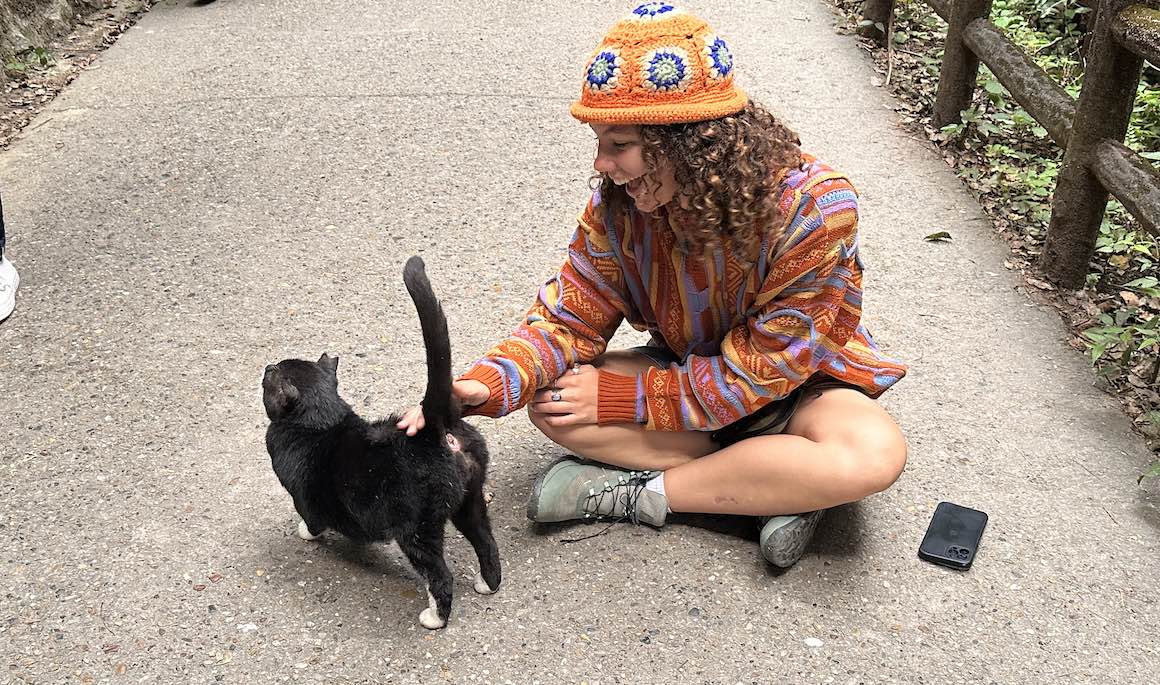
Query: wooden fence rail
1091,131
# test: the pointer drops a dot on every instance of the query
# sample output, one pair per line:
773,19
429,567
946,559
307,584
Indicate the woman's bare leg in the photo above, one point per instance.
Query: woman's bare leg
838,447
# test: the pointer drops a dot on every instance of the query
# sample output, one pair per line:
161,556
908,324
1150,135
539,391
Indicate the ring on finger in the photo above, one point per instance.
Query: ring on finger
576,369
556,396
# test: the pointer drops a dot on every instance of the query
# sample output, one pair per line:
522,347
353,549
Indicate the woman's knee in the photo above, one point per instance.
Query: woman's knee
875,462
572,438
866,443
551,432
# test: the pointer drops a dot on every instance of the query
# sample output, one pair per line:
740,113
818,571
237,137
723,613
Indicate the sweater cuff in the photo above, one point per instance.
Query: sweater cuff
494,382
616,399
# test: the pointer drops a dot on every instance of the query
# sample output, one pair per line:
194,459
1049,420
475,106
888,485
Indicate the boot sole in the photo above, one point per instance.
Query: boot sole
794,537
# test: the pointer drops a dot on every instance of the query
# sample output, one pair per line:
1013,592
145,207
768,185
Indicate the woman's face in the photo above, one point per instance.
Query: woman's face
619,155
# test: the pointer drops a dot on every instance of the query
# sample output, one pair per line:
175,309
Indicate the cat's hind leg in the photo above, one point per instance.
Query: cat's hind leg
425,552
472,521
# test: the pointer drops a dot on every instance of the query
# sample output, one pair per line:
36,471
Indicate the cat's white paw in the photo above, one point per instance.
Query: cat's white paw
481,585
304,532
429,618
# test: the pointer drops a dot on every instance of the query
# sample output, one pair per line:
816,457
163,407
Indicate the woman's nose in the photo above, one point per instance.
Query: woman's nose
603,164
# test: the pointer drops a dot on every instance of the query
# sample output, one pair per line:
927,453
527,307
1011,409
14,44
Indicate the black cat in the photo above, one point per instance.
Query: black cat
370,481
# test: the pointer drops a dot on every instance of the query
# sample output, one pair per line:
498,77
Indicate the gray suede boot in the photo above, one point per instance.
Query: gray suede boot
574,489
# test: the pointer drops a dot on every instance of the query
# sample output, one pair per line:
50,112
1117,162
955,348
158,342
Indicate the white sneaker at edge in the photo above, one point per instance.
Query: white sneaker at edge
9,282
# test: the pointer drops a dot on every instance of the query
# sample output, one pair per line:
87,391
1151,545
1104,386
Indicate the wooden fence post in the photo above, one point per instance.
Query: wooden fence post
879,12
1104,110
960,66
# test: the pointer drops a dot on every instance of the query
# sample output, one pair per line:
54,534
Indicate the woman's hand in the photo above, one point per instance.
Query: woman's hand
469,393
571,400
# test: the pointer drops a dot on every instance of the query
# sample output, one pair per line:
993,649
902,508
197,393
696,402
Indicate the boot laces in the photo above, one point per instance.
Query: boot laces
625,492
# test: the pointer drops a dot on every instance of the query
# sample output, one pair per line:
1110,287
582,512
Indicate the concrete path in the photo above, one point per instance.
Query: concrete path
241,182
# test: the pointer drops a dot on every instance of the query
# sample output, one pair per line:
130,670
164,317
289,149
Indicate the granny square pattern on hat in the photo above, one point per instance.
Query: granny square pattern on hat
604,72
666,69
652,10
718,57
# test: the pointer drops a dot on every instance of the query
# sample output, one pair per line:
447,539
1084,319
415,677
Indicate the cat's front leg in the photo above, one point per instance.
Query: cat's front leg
310,527
306,533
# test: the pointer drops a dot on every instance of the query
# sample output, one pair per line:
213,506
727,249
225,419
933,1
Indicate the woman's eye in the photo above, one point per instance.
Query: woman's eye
621,146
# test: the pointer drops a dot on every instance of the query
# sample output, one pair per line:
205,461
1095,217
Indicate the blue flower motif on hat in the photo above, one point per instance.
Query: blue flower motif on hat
718,57
666,69
653,10
604,71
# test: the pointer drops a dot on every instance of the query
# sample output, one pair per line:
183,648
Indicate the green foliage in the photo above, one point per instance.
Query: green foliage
1144,134
1153,472
32,58
1048,31
1129,331
42,57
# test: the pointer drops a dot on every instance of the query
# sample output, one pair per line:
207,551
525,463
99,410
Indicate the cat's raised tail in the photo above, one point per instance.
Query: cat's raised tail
439,408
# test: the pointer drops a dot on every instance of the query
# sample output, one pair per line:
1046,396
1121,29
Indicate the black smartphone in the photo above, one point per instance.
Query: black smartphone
953,536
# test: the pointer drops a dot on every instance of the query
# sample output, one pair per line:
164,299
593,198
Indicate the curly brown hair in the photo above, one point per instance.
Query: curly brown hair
727,171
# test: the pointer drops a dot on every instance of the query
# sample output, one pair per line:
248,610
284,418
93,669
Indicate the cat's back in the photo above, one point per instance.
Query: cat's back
384,434
382,457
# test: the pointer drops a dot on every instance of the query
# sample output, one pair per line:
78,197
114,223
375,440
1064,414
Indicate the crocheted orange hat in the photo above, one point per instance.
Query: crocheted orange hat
659,65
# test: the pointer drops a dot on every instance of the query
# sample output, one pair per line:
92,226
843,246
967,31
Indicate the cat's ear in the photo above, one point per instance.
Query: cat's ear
280,400
328,362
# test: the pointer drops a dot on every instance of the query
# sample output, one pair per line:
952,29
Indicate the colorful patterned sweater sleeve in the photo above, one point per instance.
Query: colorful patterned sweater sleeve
805,310
575,313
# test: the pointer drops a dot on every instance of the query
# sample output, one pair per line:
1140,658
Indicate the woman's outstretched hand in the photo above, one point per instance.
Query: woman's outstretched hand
571,399
469,393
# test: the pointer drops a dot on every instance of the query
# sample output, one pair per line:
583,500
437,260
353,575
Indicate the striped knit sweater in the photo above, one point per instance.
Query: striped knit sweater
748,334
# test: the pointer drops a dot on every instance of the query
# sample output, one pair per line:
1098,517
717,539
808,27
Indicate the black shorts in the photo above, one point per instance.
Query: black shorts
771,418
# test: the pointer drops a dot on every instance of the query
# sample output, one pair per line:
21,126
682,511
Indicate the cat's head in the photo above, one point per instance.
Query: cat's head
304,392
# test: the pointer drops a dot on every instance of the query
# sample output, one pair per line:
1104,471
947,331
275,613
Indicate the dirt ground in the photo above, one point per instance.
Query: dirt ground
33,78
